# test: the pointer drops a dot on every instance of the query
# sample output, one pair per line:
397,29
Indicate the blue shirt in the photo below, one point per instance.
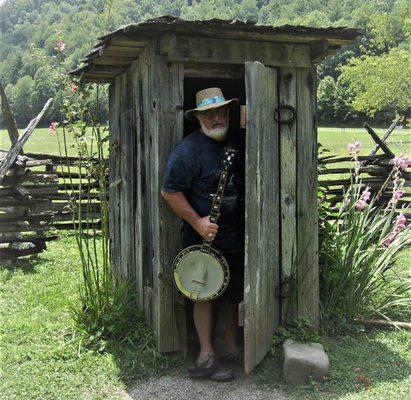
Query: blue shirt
194,168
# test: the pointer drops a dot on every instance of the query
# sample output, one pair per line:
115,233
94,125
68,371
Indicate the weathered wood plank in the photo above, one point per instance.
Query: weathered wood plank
9,118
28,238
288,178
307,227
207,70
171,101
8,161
201,49
114,171
262,218
137,212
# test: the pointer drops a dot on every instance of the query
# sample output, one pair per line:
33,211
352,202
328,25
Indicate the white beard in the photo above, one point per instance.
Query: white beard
218,134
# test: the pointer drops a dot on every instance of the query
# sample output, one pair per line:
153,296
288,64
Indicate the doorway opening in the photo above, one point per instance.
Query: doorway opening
232,87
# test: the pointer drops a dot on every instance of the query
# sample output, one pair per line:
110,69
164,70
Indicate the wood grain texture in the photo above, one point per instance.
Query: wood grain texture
288,145
114,177
262,213
307,215
224,51
170,107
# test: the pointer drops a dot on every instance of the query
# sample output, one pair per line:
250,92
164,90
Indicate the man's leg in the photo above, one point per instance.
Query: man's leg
230,338
202,313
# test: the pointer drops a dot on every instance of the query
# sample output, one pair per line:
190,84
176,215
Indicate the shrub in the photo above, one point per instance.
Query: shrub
359,250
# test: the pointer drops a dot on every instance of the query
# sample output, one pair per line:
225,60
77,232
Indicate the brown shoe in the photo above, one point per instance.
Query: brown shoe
222,375
234,358
203,369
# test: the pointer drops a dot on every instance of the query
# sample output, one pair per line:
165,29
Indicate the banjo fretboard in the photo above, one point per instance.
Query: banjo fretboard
218,197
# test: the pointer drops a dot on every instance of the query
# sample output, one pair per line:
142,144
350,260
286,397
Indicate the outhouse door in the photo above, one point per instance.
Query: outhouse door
261,306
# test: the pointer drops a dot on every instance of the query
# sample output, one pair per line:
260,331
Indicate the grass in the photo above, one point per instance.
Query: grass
369,364
42,356
335,139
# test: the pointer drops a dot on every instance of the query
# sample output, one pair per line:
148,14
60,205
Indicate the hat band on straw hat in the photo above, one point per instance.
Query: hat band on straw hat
211,100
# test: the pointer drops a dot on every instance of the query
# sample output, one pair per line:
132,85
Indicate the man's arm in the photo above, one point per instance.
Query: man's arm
179,204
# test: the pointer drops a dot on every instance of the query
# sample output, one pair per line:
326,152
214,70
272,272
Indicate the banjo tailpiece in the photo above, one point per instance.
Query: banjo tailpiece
200,272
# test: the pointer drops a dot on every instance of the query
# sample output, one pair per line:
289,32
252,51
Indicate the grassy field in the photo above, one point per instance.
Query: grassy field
335,139
42,355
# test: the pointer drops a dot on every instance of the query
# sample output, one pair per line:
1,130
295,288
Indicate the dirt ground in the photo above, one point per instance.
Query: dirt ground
180,387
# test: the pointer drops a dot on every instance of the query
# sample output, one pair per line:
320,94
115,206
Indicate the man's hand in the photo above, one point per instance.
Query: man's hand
179,204
208,230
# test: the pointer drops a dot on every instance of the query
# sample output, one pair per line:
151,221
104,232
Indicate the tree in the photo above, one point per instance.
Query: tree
20,96
379,82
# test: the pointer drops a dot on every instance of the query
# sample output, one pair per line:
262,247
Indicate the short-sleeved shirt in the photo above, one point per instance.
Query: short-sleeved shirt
194,168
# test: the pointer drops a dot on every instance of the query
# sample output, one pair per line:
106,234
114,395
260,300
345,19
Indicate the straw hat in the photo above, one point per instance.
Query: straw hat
206,99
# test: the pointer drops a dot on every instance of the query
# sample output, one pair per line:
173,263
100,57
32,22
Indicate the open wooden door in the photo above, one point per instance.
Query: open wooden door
261,306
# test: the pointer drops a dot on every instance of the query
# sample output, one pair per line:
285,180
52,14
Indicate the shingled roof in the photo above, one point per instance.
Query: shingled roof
116,51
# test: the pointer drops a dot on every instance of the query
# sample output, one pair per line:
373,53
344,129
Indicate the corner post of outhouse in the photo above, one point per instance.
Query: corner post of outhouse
168,83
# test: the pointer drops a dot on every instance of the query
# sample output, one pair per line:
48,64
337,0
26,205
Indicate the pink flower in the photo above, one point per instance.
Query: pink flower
74,87
397,194
361,204
366,194
354,147
61,46
387,240
399,224
53,127
402,161
401,221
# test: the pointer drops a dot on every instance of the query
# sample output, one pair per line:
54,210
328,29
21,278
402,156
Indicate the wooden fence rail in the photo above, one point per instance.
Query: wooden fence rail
37,198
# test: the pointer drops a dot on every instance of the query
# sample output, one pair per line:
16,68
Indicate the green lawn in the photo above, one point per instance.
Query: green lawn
371,364
41,354
335,139
43,357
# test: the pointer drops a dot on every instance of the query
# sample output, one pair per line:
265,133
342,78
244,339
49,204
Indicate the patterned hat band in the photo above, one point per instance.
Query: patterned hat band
211,100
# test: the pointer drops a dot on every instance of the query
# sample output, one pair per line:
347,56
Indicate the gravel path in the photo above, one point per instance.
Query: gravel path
180,387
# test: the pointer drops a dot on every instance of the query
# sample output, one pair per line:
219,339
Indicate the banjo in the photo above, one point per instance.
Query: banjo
200,272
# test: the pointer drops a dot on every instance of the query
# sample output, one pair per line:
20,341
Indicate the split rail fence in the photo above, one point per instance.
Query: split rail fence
37,198
335,173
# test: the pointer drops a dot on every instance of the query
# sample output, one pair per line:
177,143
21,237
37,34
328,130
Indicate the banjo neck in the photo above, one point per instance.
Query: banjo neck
218,196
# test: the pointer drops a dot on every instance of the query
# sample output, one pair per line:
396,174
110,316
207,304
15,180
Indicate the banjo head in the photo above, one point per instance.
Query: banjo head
200,276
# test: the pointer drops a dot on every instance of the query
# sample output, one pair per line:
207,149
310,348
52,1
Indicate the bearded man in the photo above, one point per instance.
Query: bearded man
190,181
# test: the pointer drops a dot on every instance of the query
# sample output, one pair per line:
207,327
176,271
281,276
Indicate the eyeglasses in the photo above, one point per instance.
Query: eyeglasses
210,114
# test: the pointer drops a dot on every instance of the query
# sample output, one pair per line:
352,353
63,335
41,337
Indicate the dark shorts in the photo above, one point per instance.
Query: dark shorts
235,290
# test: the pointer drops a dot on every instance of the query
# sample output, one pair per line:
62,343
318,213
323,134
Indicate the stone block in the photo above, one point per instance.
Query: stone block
304,360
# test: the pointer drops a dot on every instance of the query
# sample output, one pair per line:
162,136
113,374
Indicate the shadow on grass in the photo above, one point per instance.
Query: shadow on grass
134,350
357,363
25,265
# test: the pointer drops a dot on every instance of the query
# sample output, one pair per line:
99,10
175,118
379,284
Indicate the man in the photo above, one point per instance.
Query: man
191,179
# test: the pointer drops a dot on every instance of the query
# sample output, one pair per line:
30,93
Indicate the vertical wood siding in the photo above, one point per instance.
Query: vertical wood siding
262,213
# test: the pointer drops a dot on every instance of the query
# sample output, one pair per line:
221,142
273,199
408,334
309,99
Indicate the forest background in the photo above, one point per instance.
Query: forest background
368,79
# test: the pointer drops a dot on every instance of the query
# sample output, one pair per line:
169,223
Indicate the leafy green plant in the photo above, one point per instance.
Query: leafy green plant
302,330
106,303
359,250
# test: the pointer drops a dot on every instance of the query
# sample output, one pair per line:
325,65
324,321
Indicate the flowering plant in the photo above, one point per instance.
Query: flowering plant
359,248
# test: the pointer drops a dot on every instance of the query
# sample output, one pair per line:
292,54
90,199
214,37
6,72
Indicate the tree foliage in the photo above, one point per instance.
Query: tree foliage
38,24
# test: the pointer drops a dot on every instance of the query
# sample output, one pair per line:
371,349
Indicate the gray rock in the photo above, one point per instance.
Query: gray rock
304,360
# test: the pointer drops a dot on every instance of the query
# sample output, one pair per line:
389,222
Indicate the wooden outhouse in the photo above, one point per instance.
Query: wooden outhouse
154,69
